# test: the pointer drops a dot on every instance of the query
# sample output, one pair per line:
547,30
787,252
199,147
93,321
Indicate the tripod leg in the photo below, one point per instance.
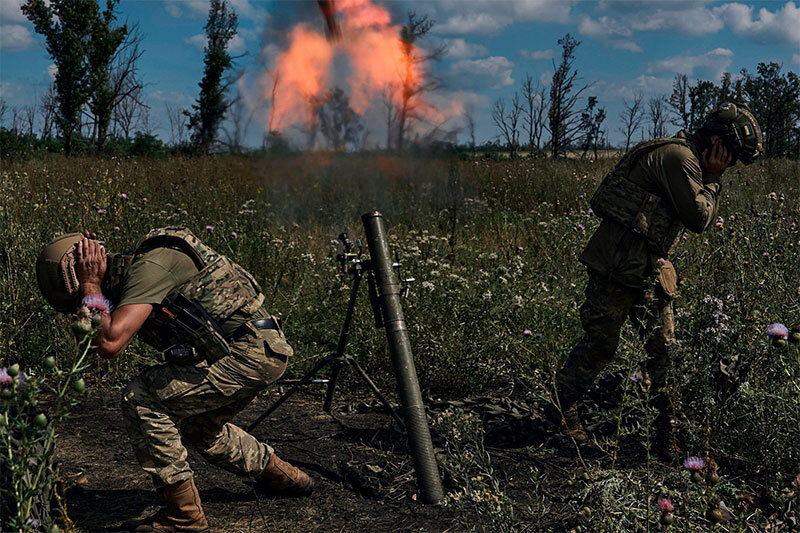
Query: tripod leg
331,388
376,391
305,379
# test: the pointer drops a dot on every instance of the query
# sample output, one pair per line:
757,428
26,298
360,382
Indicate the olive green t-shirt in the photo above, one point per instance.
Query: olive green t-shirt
156,272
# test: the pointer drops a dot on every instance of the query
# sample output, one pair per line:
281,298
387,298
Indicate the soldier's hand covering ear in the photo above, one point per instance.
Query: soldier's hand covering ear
90,261
719,159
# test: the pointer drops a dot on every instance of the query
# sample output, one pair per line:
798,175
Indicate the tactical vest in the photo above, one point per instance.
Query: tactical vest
622,201
192,312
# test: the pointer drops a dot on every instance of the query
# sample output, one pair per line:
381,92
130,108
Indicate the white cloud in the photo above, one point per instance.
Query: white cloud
796,58
51,71
235,46
170,97
714,63
546,78
15,37
10,11
781,26
488,17
538,54
489,73
691,19
461,49
199,9
610,31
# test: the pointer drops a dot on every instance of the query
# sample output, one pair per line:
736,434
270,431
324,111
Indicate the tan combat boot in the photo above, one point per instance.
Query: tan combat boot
568,422
182,514
281,478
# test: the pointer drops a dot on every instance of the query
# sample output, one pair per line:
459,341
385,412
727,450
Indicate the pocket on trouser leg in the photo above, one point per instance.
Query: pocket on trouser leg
276,353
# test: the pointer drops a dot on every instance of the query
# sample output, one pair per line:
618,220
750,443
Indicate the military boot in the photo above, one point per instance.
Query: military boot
182,514
568,421
281,478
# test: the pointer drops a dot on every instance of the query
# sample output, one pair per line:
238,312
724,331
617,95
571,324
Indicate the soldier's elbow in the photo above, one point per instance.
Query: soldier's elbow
109,349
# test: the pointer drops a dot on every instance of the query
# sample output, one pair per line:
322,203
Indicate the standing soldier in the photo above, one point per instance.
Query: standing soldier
221,349
658,189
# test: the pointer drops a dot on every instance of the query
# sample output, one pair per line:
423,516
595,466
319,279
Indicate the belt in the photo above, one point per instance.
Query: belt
261,323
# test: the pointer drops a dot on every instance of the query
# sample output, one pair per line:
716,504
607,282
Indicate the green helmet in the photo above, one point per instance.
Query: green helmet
55,272
739,130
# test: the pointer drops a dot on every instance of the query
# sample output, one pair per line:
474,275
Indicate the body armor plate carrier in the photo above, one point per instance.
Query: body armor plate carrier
187,323
622,201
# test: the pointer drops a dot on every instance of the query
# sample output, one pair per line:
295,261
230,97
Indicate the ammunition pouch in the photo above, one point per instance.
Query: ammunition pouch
645,214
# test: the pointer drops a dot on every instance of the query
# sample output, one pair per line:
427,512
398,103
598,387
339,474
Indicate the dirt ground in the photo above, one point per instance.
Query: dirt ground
364,475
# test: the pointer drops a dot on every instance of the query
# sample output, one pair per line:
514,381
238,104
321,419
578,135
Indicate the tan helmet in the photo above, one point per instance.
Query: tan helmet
738,127
55,272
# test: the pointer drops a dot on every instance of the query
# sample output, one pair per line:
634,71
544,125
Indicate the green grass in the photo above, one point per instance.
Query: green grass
493,246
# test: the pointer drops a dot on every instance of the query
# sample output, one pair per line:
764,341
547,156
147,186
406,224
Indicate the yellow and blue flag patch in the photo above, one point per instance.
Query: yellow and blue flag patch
748,130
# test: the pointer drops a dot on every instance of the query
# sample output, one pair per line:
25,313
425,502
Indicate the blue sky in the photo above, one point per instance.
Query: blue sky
627,46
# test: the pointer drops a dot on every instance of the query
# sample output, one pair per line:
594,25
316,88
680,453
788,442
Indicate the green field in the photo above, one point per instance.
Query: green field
493,246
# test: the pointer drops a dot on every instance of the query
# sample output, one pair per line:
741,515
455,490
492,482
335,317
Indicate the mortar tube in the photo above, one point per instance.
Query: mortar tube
411,406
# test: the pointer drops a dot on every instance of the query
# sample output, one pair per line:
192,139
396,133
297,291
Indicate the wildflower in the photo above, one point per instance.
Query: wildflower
234,235
32,522
123,196
210,229
635,379
101,211
777,331
527,333
665,506
537,336
694,464
520,249
5,379
581,227
116,228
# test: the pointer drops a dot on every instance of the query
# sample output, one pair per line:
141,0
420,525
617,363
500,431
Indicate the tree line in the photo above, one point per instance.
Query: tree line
773,97
96,98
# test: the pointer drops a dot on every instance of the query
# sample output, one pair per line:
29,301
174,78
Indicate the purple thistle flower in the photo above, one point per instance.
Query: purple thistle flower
694,464
123,196
581,227
5,379
777,331
32,522
635,379
234,235
210,229
101,211
665,505
527,333
537,336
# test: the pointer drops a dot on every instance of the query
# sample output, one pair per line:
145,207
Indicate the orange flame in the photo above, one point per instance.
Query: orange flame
379,66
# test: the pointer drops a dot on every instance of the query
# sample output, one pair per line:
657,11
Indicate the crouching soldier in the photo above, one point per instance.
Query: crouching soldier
204,312
658,189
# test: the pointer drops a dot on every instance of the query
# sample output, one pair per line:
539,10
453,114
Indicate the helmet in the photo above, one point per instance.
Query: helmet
55,272
739,130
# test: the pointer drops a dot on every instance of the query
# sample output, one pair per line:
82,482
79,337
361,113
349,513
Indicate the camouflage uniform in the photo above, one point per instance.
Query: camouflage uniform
200,400
172,404
626,279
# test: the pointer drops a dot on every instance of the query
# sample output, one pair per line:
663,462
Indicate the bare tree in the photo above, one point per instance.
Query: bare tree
679,101
506,119
145,124
3,111
469,119
631,117
533,118
411,84
125,86
391,115
16,119
235,131
591,121
177,125
564,121
29,118
657,113
48,109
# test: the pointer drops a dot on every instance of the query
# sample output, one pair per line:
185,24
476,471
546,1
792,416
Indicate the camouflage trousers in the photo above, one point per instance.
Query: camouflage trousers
169,406
608,304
